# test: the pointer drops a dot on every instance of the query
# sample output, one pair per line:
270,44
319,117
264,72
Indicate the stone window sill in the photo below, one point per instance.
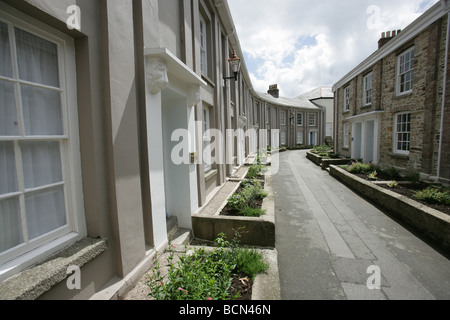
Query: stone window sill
210,174
399,156
35,281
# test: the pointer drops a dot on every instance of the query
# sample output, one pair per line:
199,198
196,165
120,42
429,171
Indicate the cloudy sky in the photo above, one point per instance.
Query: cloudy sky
304,44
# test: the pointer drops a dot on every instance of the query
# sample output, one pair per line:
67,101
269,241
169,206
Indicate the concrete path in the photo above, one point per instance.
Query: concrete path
334,245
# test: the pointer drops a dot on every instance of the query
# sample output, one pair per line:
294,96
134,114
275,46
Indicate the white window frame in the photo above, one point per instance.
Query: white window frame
347,99
267,114
283,116
206,120
312,122
406,131
368,85
203,46
403,70
30,252
300,118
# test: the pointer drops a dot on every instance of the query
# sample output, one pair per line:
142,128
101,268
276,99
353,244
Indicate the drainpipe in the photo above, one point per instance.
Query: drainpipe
443,99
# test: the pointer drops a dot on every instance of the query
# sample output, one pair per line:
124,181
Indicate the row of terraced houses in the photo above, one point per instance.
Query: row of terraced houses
96,99
97,96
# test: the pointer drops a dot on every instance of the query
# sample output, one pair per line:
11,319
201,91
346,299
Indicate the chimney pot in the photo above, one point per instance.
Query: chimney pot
274,91
388,34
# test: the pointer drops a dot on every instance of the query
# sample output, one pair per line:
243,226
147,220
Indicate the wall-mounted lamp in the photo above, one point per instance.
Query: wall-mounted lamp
235,64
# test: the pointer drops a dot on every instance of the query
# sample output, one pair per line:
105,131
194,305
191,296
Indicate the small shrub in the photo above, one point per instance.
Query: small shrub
413,176
362,168
202,275
434,195
252,212
254,171
250,262
322,149
392,184
252,190
393,173
373,176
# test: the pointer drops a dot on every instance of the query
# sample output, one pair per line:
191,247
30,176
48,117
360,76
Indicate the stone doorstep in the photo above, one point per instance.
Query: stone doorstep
35,281
432,223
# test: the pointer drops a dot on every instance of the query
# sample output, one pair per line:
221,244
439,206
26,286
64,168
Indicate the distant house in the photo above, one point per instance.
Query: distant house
301,120
393,109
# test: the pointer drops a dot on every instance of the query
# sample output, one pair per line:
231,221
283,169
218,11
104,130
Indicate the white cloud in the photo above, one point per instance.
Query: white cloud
303,44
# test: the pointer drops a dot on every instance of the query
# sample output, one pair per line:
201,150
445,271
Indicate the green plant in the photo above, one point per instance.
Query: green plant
413,176
202,275
393,173
251,191
254,171
250,262
252,212
362,168
393,184
434,195
373,175
322,149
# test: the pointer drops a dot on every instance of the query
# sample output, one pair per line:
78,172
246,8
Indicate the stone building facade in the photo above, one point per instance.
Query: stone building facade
392,109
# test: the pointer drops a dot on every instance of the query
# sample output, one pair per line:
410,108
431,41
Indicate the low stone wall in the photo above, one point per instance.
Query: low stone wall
258,232
433,224
314,158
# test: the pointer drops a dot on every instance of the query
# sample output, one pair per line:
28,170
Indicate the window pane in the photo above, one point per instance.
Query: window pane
37,59
41,111
8,178
41,163
10,224
5,52
8,113
45,211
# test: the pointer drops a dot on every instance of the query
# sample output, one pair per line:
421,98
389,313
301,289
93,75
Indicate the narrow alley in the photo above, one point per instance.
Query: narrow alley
331,243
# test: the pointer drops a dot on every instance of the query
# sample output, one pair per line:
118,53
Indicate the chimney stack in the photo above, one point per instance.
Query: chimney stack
274,91
387,36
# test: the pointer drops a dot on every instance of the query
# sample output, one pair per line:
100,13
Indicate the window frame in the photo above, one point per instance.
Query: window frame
283,117
206,127
203,40
32,250
314,124
347,99
395,148
367,92
300,116
399,74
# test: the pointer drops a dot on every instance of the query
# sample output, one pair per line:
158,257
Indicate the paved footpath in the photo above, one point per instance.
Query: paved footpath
328,237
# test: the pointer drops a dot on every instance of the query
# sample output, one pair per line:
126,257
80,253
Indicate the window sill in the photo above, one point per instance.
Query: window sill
403,95
399,156
35,281
210,174
208,80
